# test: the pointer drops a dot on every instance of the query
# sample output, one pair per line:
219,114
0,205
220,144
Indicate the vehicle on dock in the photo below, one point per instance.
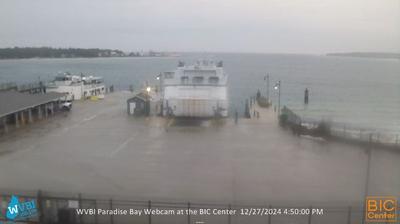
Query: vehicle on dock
66,106
77,86
195,91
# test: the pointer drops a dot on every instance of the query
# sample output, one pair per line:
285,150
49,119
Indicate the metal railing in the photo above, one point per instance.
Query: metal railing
347,132
35,87
8,86
56,208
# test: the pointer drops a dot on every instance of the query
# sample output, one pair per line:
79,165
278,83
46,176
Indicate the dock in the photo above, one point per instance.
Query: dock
99,149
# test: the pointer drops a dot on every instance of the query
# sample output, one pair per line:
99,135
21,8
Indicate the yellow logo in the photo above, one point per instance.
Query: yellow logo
381,209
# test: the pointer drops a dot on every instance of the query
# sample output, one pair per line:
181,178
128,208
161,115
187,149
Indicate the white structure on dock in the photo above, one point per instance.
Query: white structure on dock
198,90
77,87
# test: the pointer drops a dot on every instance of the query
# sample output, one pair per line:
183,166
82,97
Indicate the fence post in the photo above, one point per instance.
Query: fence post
40,206
349,216
397,139
80,207
111,208
309,216
95,214
188,216
229,215
149,206
269,215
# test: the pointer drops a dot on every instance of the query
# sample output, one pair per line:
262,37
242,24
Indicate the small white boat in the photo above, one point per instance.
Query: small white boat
77,86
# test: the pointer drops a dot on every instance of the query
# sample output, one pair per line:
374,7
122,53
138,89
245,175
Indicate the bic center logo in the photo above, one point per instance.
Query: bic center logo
381,209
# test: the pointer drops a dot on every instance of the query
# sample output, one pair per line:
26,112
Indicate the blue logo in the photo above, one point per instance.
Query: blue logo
17,210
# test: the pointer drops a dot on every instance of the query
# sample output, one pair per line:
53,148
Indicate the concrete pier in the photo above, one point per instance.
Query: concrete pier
22,116
40,113
46,111
30,118
99,149
4,121
16,120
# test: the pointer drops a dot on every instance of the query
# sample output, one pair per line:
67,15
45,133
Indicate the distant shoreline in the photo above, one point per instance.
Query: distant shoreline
51,53
45,58
381,55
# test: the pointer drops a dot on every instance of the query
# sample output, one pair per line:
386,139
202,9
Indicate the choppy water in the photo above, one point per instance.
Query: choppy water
358,91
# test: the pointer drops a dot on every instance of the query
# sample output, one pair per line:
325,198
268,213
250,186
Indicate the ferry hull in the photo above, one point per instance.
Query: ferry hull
200,108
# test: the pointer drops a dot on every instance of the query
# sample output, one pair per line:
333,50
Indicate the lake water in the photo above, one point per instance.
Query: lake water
357,91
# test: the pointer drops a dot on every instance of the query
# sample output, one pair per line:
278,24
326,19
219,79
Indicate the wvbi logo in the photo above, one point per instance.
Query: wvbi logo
17,210
381,209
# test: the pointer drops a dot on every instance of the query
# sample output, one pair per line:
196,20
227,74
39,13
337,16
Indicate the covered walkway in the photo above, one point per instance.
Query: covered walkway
18,109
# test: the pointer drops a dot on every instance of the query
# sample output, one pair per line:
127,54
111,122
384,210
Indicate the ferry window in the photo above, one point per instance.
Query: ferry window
184,79
213,80
169,75
198,79
62,78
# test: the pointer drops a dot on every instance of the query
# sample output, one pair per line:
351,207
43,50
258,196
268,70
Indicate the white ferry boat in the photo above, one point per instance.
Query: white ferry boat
77,86
198,90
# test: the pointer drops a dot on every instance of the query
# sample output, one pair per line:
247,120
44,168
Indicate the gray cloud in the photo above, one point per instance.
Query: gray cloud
296,26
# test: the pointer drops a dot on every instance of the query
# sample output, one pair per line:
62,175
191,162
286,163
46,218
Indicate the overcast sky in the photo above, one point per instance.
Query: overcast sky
270,26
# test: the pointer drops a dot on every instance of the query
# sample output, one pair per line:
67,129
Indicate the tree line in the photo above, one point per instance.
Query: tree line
48,52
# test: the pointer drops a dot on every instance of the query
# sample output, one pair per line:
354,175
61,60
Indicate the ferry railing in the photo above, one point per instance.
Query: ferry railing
63,208
35,87
8,86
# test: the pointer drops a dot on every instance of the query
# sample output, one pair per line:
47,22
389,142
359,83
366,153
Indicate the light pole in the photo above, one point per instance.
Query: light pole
160,93
277,86
366,189
267,79
158,77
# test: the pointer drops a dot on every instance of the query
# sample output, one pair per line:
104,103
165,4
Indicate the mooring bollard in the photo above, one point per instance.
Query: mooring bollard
306,92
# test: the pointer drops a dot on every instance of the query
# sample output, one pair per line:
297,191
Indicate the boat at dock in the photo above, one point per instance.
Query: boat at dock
78,87
196,91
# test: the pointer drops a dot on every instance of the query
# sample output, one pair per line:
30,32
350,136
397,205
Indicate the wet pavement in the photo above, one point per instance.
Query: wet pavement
98,149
